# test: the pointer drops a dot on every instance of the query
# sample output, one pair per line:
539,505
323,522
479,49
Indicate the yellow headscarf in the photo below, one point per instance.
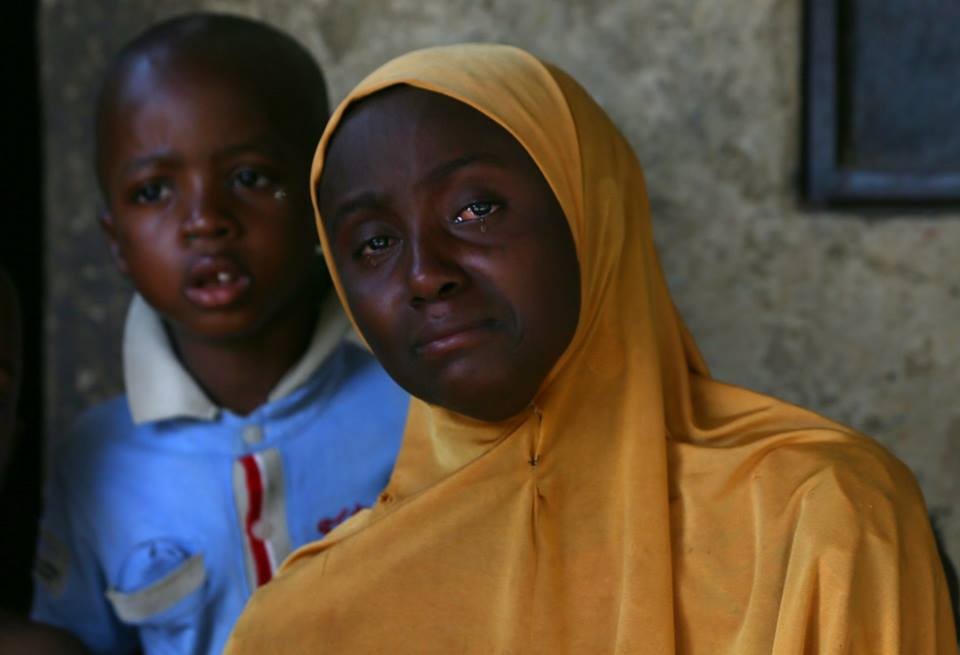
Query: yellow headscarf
638,506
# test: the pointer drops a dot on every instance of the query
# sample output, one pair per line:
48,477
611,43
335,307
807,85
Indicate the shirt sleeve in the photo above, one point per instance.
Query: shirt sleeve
69,585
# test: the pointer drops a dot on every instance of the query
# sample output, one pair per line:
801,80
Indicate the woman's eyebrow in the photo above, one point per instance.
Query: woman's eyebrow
363,200
448,168
374,200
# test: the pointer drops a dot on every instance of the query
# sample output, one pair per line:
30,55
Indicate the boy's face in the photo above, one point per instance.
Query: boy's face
456,259
208,211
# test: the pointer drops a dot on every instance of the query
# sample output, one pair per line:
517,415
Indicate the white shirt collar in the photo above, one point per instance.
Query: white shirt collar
159,387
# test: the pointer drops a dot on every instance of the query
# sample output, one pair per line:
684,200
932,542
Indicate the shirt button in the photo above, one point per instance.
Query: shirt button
252,434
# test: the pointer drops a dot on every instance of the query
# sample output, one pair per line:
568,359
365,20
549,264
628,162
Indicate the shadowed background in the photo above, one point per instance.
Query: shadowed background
856,315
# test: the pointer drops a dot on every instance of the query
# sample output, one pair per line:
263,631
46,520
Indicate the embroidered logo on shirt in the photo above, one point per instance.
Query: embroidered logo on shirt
324,526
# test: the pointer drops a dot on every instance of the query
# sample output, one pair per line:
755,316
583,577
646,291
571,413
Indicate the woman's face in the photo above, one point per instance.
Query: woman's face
455,256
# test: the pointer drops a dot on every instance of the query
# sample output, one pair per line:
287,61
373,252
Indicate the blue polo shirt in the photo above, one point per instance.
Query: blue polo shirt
164,513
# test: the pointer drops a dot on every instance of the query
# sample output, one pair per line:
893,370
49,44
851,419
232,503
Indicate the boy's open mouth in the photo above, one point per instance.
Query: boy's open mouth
215,282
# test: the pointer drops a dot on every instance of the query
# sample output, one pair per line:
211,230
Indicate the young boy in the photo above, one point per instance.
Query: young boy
249,426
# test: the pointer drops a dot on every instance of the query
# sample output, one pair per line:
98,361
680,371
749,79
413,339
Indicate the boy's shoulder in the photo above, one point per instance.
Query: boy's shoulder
106,416
104,422
363,373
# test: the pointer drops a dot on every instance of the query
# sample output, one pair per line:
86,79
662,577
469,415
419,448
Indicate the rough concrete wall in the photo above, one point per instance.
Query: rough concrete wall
854,315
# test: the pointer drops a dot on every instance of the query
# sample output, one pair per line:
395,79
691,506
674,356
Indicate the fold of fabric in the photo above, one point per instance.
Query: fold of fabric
638,506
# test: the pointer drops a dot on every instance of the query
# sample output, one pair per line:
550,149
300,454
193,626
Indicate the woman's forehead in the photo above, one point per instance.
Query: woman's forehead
402,123
405,107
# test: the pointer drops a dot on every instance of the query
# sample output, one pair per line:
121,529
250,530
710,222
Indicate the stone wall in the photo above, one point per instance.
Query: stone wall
856,315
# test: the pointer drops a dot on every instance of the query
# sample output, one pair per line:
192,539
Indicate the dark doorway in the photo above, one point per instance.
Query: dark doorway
21,255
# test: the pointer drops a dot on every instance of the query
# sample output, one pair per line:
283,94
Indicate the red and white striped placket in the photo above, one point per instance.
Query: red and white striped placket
259,494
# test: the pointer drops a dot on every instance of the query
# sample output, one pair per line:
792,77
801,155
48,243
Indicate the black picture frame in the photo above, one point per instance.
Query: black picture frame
829,175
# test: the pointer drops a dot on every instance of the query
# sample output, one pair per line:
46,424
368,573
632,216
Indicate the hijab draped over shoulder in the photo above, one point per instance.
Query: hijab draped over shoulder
638,505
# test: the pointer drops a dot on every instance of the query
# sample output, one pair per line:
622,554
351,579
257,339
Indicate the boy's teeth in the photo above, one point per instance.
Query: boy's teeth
223,277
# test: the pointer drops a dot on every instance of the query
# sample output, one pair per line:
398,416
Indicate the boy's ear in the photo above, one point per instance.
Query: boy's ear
109,227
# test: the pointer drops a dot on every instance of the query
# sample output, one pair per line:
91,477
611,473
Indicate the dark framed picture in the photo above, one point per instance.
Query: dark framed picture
882,113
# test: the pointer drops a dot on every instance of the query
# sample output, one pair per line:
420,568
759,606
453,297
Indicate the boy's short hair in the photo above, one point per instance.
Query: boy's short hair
284,73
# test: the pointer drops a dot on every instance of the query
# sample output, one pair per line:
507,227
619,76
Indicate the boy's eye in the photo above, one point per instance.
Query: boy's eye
249,178
372,248
151,192
476,210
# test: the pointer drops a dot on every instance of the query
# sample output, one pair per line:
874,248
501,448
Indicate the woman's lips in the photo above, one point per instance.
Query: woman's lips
216,282
443,341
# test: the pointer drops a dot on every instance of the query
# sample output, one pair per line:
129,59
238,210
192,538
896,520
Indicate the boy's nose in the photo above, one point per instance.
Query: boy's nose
434,272
208,217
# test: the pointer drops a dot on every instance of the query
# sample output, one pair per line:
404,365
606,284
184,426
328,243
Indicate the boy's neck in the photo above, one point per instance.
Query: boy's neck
239,374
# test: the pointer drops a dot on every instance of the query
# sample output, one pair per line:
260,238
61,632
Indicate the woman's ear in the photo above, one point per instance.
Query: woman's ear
109,227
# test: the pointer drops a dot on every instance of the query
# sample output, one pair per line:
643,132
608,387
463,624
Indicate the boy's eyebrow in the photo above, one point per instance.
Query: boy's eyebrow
146,161
262,143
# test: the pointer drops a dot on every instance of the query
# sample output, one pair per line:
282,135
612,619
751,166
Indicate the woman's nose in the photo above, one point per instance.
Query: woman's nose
434,271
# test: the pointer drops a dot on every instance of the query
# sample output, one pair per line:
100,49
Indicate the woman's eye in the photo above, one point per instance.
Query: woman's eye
249,178
151,192
477,210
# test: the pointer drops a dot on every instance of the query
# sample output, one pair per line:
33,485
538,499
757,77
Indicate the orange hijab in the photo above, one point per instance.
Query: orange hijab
638,506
